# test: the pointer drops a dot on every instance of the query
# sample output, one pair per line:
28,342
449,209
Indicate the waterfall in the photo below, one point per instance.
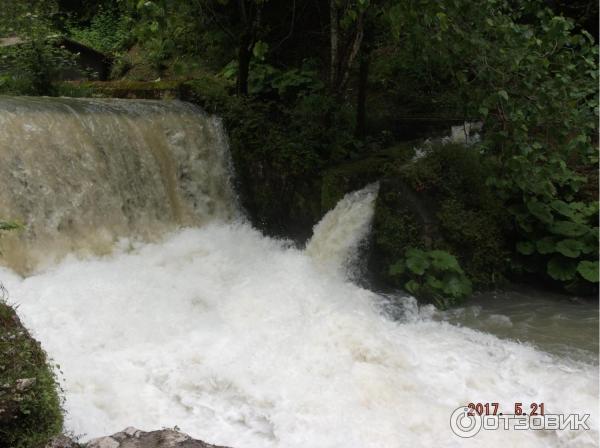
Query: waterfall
337,237
238,339
80,173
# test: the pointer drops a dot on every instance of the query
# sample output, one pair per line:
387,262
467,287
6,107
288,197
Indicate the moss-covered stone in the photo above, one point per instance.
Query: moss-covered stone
148,90
479,238
347,177
30,407
210,93
403,219
441,201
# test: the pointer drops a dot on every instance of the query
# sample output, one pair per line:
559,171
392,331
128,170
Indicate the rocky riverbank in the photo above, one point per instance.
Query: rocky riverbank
134,438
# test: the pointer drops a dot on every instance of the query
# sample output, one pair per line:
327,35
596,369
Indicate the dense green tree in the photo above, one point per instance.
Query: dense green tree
533,81
34,59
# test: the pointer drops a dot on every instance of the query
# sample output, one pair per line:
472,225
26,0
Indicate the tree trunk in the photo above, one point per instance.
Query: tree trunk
361,98
251,15
343,56
334,39
244,57
344,71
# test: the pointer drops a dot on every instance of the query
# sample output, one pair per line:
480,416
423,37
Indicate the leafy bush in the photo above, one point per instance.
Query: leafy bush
562,239
472,221
34,64
168,29
212,94
108,31
542,128
279,150
271,82
434,274
33,67
532,78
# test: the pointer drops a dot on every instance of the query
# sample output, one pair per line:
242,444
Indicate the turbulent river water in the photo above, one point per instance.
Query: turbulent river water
185,315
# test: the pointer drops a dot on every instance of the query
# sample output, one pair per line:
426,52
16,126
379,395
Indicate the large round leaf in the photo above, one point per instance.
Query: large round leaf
568,228
412,286
525,247
416,261
541,211
546,245
563,208
434,282
588,270
443,261
590,242
456,286
570,248
561,268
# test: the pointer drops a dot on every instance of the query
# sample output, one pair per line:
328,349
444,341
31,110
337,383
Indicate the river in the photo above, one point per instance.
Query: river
187,316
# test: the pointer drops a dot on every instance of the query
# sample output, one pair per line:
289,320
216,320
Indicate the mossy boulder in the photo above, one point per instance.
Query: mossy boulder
354,175
403,219
441,201
209,92
147,90
30,406
212,94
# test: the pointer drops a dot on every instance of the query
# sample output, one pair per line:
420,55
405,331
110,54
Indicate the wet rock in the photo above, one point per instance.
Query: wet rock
25,383
62,441
134,438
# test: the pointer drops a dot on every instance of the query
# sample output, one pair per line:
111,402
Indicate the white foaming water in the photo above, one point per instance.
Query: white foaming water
243,341
236,338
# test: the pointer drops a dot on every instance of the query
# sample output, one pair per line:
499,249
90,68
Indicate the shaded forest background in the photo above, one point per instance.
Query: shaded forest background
321,96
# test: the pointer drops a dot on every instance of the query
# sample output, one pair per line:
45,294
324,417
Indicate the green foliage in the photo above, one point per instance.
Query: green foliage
34,63
212,94
31,407
122,63
33,67
354,175
156,29
397,226
441,201
278,150
588,270
434,274
169,29
533,80
472,222
10,225
271,82
107,32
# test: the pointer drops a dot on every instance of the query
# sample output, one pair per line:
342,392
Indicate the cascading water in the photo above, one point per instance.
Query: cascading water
82,173
240,339
337,237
